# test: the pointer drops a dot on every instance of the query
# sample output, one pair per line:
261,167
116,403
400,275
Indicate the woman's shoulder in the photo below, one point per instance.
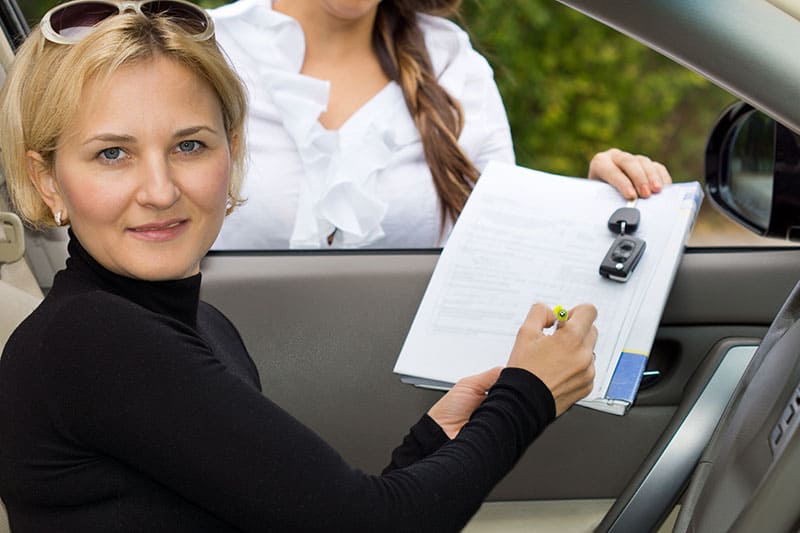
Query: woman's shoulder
241,10
449,47
252,35
85,313
255,18
85,325
208,314
458,67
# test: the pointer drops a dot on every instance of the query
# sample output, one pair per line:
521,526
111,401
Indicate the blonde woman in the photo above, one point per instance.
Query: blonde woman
126,403
370,122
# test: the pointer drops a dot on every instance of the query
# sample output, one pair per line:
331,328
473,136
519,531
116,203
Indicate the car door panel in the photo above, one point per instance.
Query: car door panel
325,331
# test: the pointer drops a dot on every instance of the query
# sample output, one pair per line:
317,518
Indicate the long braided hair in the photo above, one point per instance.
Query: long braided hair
400,46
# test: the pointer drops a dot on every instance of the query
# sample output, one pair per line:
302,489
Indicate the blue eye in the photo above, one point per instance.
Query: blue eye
189,146
112,154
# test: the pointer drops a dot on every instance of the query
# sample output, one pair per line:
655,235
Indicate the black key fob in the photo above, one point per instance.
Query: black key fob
622,258
624,220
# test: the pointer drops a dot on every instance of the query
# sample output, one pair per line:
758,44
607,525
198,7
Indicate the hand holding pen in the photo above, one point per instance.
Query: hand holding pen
564,361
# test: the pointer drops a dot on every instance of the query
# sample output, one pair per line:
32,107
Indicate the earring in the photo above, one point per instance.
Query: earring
58,218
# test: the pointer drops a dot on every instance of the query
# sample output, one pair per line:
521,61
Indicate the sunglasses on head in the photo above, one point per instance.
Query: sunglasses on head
70,22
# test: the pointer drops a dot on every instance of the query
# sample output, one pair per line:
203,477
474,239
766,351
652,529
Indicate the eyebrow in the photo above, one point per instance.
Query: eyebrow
110,137
115,138
195,129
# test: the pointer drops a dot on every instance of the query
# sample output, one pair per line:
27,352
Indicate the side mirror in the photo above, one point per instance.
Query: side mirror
753,172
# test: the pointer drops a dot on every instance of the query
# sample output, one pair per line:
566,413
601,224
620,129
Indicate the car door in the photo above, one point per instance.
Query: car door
325,330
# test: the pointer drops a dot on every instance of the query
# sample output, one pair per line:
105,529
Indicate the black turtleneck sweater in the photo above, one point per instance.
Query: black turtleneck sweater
128,405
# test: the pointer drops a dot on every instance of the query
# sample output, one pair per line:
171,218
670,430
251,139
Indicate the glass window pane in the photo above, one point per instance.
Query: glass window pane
569,98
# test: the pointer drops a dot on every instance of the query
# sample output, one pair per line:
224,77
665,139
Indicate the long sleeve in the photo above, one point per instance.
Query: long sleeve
424,437
154,397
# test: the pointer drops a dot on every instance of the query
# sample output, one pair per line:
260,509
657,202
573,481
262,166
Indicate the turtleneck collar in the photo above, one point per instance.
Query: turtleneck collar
178,298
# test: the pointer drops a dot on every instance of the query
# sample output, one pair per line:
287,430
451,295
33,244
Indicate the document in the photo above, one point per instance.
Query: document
526,236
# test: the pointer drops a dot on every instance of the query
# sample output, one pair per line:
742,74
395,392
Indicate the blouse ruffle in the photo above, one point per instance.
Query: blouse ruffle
338,192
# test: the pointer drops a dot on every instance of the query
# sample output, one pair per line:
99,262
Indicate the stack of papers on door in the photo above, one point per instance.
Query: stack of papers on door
527,236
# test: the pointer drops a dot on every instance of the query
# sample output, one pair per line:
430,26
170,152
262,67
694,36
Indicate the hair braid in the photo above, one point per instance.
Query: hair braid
400,47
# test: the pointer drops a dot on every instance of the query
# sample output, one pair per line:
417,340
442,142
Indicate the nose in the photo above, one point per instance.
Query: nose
158,188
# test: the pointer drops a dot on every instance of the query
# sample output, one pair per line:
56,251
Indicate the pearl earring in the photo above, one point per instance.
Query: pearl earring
58,218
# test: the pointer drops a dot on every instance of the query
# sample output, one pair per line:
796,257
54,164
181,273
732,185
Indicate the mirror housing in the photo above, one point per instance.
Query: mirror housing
752,172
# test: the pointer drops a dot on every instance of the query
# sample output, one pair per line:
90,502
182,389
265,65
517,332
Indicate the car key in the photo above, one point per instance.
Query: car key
624,220
626,250
622,257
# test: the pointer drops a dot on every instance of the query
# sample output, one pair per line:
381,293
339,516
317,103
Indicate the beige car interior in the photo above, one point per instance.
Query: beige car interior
19,290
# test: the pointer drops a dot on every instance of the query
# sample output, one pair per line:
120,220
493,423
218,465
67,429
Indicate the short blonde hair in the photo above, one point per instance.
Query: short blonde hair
43,89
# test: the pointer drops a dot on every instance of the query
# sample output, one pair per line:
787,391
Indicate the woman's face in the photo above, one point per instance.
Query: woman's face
142,171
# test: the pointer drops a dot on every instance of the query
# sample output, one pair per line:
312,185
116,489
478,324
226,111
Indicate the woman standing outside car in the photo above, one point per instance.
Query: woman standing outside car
126,403
370,122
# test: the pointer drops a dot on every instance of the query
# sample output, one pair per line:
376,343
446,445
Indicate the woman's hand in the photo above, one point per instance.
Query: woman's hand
453,409
632,175
564,361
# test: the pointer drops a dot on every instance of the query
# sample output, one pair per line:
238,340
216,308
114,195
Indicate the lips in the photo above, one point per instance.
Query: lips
158,226
159,231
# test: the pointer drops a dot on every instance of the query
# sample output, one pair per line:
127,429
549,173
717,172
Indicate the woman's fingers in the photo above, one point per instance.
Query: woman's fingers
632,175
564,361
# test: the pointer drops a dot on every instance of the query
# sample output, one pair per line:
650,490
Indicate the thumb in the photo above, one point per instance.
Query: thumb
483,381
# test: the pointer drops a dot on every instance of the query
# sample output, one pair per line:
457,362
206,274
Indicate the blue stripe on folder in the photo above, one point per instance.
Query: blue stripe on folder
627,376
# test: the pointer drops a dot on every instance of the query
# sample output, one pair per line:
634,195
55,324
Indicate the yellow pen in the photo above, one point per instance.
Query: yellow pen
561,315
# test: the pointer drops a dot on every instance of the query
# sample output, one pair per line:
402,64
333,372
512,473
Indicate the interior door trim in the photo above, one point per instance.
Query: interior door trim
670,472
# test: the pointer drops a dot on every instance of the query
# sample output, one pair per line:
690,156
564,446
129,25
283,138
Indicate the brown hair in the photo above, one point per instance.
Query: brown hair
400,46
43,88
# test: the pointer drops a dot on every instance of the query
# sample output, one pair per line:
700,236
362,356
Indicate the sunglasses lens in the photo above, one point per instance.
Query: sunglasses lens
77,18
192,19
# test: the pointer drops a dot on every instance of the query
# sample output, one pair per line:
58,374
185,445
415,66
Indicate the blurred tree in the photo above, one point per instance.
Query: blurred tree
573,87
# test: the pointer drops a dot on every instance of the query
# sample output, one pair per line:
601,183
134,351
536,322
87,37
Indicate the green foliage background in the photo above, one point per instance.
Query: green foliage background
573,87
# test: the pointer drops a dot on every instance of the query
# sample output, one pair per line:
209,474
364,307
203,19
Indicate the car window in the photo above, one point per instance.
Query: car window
568,98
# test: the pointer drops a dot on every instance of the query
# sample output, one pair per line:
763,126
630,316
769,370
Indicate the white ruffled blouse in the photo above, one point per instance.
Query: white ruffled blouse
368,180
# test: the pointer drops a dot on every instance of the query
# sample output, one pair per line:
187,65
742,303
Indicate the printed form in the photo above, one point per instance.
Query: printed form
525,237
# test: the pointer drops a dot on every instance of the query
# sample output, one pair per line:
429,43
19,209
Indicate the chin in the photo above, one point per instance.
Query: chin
159,270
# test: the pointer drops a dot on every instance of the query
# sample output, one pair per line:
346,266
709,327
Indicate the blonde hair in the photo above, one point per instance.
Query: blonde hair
44,86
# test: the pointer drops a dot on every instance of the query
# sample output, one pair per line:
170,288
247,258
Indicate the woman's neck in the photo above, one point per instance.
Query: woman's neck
338,49
331,37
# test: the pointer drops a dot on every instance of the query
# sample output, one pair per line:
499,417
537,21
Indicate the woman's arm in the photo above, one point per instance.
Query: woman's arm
154,397
444,420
